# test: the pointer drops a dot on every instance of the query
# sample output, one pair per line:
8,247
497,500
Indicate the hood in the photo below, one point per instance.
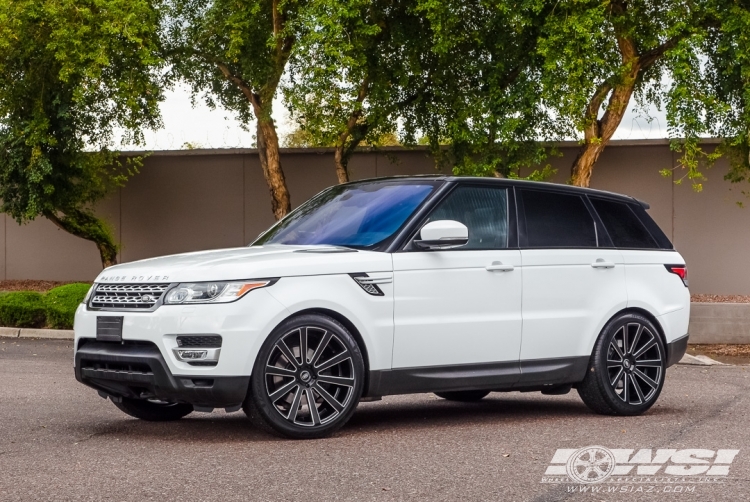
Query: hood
255,262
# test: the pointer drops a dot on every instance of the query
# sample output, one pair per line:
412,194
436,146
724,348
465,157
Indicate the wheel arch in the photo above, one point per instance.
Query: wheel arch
349,325
648,315
645,313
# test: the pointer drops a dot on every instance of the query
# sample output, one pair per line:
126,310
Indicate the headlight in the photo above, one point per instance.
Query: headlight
212,292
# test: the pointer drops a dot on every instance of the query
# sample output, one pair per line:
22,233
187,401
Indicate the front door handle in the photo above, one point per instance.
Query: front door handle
497,266
599,263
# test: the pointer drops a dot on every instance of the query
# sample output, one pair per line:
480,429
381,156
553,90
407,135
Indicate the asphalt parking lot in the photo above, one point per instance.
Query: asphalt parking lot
61,441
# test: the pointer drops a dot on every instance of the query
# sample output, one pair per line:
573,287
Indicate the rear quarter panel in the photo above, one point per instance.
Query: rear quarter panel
652,288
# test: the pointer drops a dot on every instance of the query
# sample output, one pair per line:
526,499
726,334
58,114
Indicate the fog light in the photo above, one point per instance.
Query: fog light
193,355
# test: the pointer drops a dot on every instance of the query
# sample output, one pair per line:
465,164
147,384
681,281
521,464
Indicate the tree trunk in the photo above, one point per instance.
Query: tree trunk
85,225
342,164
353,133
270,162
599,132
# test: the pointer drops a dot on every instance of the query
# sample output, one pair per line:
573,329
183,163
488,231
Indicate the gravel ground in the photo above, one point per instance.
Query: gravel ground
730,354
720,298
60,441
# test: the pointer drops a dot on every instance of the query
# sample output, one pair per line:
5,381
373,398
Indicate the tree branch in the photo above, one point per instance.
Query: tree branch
648,58
241,84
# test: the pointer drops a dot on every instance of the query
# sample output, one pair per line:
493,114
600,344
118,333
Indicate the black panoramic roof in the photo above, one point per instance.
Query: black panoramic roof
542,185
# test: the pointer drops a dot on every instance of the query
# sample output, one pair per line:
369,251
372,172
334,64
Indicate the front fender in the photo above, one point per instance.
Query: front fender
371,315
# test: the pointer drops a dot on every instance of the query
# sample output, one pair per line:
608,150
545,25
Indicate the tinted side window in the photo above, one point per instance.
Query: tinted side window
623,226
653,228
483,210
557,220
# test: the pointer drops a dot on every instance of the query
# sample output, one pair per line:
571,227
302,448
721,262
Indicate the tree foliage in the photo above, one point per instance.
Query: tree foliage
235,52
357,64
689,57
480,108
72,74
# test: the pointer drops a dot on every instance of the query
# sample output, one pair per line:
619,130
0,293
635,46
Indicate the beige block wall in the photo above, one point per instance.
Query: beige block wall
3,226
713,234
194,200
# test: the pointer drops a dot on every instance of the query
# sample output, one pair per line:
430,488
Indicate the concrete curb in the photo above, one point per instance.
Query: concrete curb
48,334
700,361
9,332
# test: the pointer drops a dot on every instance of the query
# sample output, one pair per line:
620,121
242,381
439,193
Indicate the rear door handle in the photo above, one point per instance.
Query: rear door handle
497,266
599,263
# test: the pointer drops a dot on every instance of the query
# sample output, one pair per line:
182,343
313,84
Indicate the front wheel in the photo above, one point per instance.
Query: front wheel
307,379
153,411
626,370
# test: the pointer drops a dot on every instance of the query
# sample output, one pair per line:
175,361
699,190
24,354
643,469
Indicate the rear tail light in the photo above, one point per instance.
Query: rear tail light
679,270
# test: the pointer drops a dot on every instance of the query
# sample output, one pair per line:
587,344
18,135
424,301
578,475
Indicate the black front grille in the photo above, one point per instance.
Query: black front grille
202,341
116,367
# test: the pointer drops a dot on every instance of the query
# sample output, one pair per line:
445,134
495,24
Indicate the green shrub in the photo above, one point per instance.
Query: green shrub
24,309
61,304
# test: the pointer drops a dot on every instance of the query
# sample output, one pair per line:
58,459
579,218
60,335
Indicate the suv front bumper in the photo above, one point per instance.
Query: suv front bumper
138,370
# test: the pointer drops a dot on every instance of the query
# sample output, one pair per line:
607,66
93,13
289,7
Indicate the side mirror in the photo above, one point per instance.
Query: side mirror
442,234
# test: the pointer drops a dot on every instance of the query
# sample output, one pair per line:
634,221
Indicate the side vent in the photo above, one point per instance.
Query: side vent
370,283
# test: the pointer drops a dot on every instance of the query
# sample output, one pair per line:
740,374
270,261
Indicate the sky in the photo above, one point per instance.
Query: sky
201,127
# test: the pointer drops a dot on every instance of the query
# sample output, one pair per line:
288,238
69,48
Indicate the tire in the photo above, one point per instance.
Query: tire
627,367
330,375
153,411
464,396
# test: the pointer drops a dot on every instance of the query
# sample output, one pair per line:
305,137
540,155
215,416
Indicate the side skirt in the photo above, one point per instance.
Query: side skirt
499,376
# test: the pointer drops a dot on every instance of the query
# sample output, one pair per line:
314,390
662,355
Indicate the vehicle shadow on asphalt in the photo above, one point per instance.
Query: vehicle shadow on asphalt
393,414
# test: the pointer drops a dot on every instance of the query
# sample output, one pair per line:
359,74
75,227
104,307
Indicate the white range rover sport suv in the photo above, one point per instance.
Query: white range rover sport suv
457,286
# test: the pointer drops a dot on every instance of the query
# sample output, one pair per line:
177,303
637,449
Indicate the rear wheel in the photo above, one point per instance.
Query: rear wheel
626,371
465,396
307,379
152,410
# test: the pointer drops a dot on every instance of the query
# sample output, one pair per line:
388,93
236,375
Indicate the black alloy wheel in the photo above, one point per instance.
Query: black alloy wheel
627,367
308,378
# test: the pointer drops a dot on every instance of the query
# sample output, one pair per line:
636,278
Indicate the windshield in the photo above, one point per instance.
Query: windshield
358,215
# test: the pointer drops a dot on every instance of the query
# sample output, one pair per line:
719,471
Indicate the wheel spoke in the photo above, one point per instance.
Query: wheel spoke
613,364
614,381
312,407
625,393
283,391
646,347
651,383
638,391
321,347
334,361
282,372
636,339
614,345
329,398
303,344
287,353
649,363
345,381
292,417
625,338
